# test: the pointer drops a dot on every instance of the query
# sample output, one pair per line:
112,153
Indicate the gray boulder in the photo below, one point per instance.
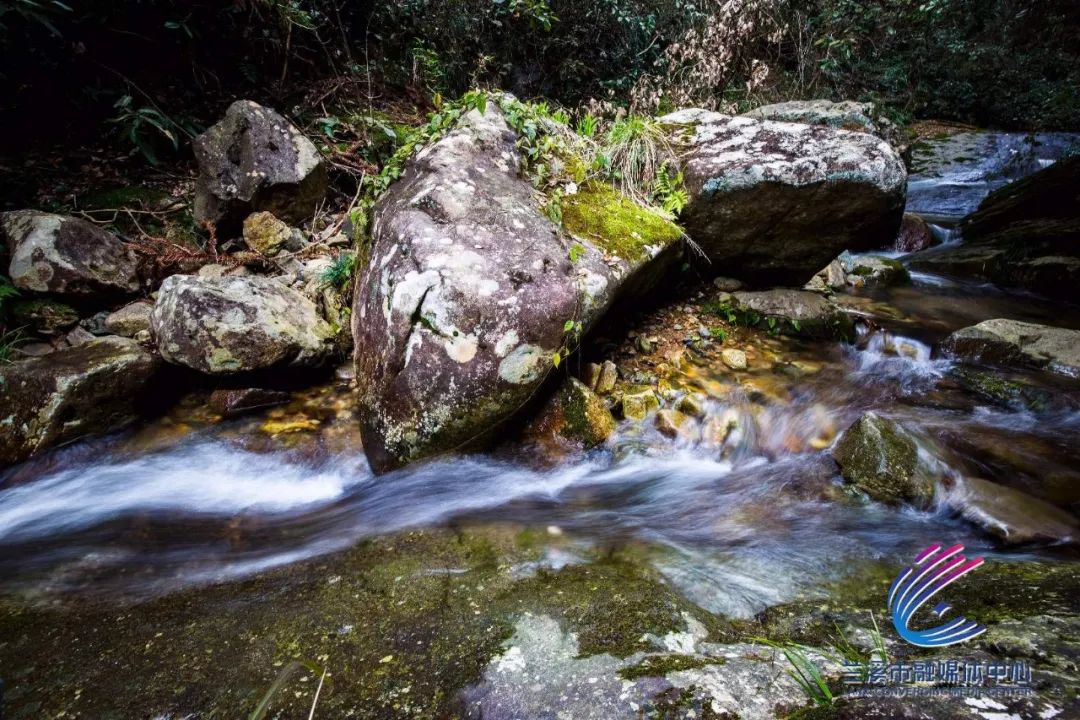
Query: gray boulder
883,459
1011,342
228,325
71,393
470,290
773,203
791,312
66,256
846,114
256,160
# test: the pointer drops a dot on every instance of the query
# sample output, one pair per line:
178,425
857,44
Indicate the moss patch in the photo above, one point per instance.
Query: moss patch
616,224
661,665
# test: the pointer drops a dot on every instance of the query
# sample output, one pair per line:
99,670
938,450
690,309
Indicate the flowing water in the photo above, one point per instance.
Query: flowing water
737,524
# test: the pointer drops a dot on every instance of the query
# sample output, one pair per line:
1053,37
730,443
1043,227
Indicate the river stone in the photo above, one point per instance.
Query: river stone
915,234
1011,515
1011,342
881,458
582,415
773,203
129,320
238,401
254,159
466,298
46,317
846,114
877,270
222,326
66,256
71,393
793,312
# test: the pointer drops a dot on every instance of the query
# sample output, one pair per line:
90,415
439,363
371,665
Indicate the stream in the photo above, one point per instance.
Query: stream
189,500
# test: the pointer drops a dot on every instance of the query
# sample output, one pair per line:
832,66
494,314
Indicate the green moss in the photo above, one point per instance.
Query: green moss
1002,391
599,213
585,417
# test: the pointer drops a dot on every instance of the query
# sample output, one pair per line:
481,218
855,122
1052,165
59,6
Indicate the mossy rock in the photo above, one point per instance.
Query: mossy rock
616,224
47,317
1002,391
881,458
585,417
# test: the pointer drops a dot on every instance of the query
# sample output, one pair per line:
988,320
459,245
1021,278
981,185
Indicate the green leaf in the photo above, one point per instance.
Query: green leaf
556,358
568,326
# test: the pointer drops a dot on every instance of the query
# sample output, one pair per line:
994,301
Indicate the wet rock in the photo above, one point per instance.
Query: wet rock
581,415
129,320
1011,342
792,312
465,301
670,422
609,375
637,403
846,114
1026,235
778,201
692,405
66,256
881,458
45,317
734,359
591,376
252,160
238,401
915,234
877,270
94,388
268,236
1011,515
79,336
1011,394
222,326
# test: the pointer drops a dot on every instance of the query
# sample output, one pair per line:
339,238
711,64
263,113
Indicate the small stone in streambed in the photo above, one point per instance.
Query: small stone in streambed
591,376
692,405
882,458
636,405
726,284
734,359
609,375
237,401
644,344
1011,342
268,236
584,416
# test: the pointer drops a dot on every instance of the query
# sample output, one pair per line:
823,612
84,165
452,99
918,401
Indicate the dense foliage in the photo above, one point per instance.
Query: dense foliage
153,71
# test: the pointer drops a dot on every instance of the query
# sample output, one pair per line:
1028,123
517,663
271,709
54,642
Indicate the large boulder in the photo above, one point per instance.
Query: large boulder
846,114
1026,234
94,388
1012,342
66,256
228,325
256,160
881,458
471,293
773,203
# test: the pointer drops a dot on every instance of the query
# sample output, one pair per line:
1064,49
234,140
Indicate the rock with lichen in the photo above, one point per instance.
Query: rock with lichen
791,312
90,389
66,256
471,292
1012,342
845,114
268,236
129,320
254,159
228,325
774,202
581,416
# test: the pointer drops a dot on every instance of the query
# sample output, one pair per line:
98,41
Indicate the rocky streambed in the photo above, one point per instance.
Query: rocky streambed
663,482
